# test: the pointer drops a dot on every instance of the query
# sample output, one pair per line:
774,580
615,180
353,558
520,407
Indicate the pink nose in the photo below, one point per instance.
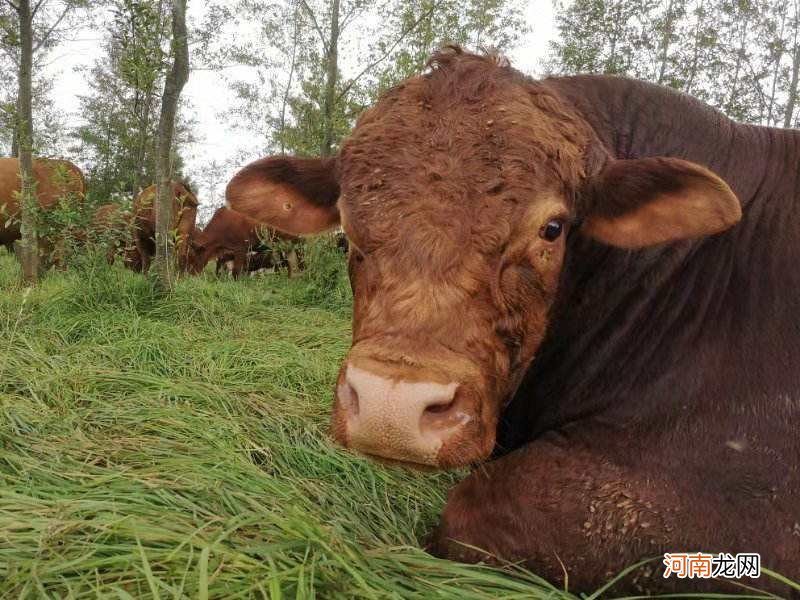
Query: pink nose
400,420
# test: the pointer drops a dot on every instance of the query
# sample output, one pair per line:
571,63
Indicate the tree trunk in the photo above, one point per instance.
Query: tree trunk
332,74
611,64
29,248
793,85
696,50
15,133
143,115
176,79
793,91
739,58
777,68
288,90
665,42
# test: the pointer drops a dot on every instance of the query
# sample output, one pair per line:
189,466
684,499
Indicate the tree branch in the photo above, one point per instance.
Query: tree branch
50,31
14,58
349,16
12,5
310,12
36,8
385,55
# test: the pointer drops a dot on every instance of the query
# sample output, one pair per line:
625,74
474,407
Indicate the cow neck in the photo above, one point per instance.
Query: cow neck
634,119
632,328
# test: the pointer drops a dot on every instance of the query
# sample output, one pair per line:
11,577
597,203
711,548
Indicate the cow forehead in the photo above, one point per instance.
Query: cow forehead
452,161
504,134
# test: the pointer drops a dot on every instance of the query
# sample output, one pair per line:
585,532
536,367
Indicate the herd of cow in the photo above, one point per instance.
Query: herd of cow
238,242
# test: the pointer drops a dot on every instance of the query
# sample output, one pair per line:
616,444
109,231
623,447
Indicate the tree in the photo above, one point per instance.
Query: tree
118,137
417,28
741,56
53,24
300,94
792,88
121,111
21,46
29,249
173,85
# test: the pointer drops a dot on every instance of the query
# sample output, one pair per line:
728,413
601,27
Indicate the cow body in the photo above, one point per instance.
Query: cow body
236,237
112,226
256,261
595,280
54,180
184,215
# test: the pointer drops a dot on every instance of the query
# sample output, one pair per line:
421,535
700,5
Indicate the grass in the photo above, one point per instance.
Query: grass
178,447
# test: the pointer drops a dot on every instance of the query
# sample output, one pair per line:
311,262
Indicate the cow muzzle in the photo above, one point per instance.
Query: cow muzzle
410,420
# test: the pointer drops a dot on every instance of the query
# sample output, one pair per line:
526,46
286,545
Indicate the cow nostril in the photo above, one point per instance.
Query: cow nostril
445,414
348,397
439,408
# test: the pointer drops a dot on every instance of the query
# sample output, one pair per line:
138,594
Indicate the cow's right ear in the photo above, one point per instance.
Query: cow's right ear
294,195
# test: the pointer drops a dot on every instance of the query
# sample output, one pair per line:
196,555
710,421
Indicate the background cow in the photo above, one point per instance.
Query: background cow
55,179
231,235
184,215
553,271
112,226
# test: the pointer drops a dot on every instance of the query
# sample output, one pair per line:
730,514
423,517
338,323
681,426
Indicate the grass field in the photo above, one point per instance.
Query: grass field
178,448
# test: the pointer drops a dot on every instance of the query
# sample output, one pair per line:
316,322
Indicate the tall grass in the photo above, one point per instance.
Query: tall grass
178,447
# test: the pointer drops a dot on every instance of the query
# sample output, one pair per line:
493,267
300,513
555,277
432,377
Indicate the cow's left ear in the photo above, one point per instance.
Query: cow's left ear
294,195
643,202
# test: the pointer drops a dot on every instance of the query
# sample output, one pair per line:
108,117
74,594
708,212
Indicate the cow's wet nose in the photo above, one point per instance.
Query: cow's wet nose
407,421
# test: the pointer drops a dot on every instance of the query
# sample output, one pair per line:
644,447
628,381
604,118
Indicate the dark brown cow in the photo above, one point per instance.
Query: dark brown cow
184,215
51,186
256,261
112,227
553,271
231,233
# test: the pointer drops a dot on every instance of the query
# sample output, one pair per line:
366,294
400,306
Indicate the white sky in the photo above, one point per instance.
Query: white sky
209,96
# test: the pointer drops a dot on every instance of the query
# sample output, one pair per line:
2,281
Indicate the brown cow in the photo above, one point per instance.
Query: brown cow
553,271
112,227
184,215
230,233
51,186
256,261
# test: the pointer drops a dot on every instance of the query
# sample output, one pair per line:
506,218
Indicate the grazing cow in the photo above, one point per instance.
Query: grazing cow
231,235
184,215
54,180
340,238
592,277
256,261
111,226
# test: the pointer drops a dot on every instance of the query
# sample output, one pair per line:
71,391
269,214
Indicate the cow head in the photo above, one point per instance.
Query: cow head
185,210
197,252
456,192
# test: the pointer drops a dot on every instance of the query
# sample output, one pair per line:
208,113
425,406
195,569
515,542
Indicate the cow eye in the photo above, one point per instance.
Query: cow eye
551,230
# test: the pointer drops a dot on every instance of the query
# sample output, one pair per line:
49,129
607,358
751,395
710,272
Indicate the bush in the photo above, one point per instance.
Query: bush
325,282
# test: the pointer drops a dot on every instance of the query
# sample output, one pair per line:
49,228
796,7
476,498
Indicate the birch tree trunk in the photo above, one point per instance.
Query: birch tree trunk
173,85
292,68
332,73
29,246
793,84
15,133
666,40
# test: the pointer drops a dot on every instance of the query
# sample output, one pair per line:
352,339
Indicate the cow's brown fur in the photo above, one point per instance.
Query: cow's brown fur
233,234
645,401
184,215
112,226
49,189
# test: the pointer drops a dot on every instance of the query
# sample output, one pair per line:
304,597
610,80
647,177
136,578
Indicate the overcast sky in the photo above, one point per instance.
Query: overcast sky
209,96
